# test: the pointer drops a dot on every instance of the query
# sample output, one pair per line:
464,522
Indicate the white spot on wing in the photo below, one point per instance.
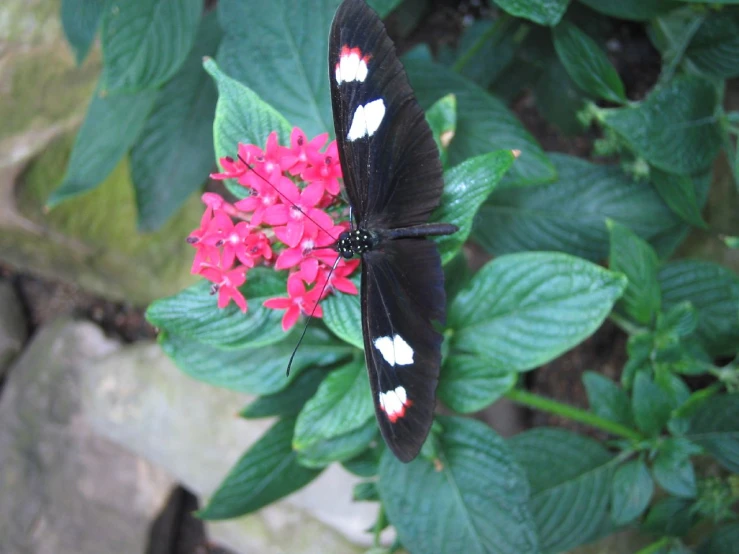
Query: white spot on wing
352,66
366,119
395,350
394,403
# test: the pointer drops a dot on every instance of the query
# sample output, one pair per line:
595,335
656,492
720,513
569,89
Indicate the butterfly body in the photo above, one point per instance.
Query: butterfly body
393,179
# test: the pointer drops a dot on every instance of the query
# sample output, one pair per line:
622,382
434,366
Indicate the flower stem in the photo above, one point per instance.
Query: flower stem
655,546
570,412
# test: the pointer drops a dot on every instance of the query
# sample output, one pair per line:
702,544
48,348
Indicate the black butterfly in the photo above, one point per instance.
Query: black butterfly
393,178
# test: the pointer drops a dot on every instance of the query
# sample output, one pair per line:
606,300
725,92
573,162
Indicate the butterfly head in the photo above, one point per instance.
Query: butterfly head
355,242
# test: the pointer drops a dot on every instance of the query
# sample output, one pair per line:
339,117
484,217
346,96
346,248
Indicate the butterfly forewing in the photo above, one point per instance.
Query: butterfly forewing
393,178
392,172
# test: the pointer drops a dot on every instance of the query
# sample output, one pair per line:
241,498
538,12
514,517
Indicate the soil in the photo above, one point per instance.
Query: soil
176,531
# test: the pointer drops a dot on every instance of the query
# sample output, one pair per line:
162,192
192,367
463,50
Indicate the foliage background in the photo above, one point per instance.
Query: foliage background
548,220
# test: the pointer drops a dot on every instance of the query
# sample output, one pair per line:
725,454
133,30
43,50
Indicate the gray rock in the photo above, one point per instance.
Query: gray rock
64,488
139,398
12,326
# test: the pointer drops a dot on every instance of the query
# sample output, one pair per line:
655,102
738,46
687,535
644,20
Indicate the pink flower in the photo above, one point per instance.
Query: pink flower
296,158
299,300
226,284
298,212
338,279
325,169
264,196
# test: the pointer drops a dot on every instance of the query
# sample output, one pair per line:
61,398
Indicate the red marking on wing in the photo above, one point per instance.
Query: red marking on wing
395,416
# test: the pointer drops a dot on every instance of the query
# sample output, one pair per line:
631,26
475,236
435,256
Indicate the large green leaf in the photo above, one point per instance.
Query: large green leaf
471,383
289,401
631,491
473,500
715,426
259,370
442,118
678,192
714,292
587,64
146,41
637,10
570,477
523,310
341,314
543,12
267,472
675,128
175,152
340,448
570,214
287,40
194,313
714,48
466,187
484,123
651,404
633,257
80,19
111,125
342,404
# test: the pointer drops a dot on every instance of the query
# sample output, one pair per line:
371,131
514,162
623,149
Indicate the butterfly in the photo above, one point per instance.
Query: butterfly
393,180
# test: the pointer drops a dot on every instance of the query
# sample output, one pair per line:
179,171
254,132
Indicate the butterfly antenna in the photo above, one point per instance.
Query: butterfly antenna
247,164
310,318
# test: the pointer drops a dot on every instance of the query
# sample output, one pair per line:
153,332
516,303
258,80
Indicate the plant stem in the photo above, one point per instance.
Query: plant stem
677,47
498,27
655,546
576,414
379,525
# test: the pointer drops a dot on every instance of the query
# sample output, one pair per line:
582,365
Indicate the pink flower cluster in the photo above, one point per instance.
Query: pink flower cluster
287,222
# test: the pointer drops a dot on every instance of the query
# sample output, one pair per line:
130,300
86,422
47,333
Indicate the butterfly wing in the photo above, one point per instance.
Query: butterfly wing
392,172
402,291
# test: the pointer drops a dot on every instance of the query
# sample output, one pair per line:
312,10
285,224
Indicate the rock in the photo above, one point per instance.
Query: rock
66,490
90,241
12,326
137,397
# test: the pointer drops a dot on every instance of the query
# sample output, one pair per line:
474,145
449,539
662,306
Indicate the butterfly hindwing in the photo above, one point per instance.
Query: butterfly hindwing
392,172
402,290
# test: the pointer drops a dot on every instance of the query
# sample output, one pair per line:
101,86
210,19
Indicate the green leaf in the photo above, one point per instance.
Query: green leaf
670,516
636,10
651,405
470,383
543,12
722,541
242,117
466,188
631,491
679,194
289,401
523,310
174,153
288,41
672,468
484,123
342,404
80,19
570,214
715,426
340,448
194,313
587,64
607,399
267,472
258,370
341,314
367,462
442,118
111,126
474,500
558,99
146,41
570,477
714,292
633,257
714,49
366,491
674,128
